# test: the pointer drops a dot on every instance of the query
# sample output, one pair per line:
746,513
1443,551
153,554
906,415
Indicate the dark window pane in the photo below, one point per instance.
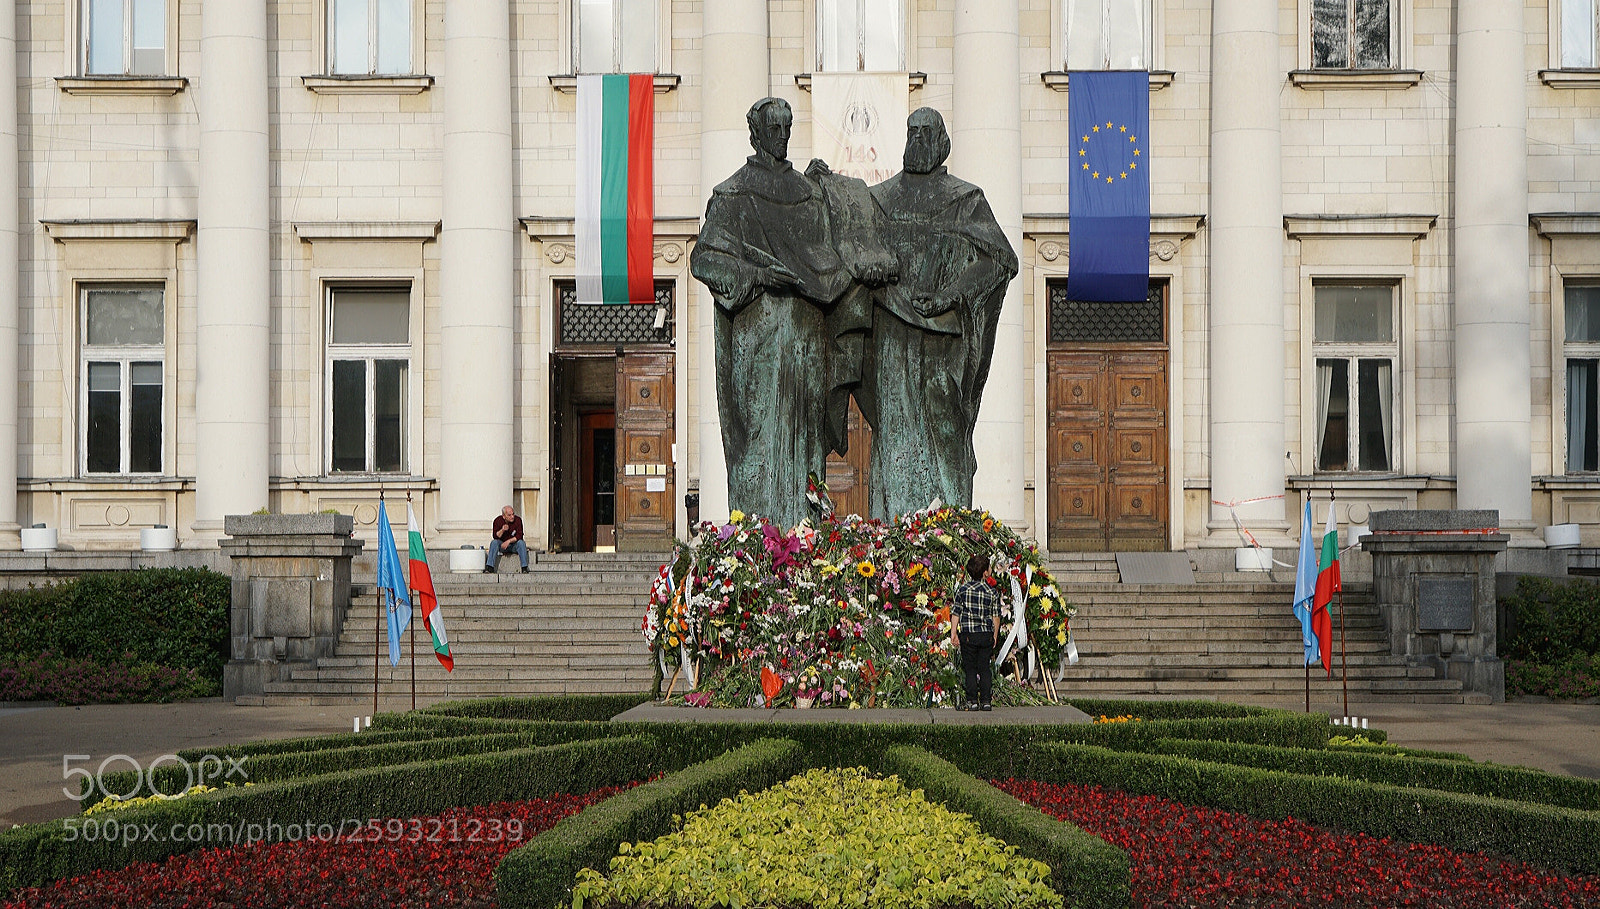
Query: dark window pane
1136,321
605,476
350,415
388,430
1583,430
103,437
1371,34
1333,385
1354,314
122,316
371,316
1376,390
1330,25
144,419
1583,313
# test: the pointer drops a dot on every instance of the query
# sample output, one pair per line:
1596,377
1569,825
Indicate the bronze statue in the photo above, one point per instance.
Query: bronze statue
789,259
933,332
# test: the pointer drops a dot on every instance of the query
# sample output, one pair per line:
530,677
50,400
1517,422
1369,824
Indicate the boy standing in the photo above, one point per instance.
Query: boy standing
975,630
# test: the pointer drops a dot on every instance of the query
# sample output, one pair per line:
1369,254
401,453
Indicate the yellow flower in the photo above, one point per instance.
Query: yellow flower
866,570
1061,637
1033,590
736,516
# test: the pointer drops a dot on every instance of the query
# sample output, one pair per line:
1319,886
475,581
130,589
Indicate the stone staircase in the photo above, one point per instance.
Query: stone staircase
572,625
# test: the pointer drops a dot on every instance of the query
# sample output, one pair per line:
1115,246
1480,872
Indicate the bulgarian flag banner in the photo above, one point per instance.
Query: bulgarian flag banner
422,583
1327,586
615,216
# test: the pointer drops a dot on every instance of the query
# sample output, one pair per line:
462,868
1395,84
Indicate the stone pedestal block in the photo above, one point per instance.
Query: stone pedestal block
291,591
1433,578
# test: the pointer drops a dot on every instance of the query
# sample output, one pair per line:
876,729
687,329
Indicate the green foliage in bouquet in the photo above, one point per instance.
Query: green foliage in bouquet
828,838
849,612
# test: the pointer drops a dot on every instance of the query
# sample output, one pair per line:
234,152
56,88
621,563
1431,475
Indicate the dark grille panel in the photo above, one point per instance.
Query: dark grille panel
613,325
1077,322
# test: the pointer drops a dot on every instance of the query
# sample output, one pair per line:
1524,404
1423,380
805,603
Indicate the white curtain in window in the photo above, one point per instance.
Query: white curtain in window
1106,34
1577,33
1324,394
1580,411
394,37
1386,411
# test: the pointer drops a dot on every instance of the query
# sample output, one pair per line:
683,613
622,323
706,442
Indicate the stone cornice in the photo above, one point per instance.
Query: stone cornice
367,85
1167,234
1337,225
157,86
1058,79
567,84
1566,224
175,231
415,231
1344,79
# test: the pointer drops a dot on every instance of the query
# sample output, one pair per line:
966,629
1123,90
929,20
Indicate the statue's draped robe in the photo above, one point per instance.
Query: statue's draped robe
782,352
924,375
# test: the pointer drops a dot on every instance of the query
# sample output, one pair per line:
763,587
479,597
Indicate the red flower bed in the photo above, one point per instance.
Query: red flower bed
446,860
1189,857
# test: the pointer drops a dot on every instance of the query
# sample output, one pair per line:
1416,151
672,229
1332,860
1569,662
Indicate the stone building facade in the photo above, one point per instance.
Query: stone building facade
293,255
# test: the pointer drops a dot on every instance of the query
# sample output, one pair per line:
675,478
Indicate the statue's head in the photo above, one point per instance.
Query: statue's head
770,120
927,142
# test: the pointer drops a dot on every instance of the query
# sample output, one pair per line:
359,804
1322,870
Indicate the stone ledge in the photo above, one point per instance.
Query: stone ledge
251,525
153,86
367,85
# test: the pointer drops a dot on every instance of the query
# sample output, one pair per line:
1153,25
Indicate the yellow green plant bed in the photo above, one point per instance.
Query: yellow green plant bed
827,838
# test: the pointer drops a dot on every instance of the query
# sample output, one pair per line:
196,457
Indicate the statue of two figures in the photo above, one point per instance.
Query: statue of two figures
827,288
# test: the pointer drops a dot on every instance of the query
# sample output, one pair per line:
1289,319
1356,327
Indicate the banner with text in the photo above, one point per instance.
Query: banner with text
858,123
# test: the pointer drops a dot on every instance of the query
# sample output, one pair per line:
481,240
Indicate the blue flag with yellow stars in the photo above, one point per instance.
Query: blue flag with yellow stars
1109,193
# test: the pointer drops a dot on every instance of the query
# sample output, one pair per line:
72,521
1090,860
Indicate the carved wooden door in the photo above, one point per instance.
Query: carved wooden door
1107,449
645,482
848,475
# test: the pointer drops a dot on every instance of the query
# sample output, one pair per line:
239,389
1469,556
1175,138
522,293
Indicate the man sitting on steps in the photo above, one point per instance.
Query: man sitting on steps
507,538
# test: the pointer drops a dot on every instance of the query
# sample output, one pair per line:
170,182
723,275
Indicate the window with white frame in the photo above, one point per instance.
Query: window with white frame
1578,28
1107,34
124,37
369,37
615,36
122,368
860,36
1581,349
1353,34
369,366
1356,358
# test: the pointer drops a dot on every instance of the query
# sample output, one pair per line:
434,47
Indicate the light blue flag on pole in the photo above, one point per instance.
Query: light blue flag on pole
1305,588
392,582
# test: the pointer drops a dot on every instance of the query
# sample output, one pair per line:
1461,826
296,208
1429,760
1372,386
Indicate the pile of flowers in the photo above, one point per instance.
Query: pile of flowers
1190,857
850,612
826,839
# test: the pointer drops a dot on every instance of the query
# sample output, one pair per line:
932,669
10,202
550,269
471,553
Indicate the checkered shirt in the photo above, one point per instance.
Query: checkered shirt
975,606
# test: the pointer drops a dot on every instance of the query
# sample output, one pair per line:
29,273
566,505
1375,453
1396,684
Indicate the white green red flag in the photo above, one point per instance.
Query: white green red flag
615,214
1327,585
422,583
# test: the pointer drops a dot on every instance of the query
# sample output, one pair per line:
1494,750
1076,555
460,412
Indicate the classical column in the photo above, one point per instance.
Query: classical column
233,341
9,215
476,270
1246,273
1493,371
736,70
986,149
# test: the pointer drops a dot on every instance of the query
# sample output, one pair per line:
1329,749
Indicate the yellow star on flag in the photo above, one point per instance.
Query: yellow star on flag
1108,179
1097,129
1125,129
1108,124
1123,175
1095,175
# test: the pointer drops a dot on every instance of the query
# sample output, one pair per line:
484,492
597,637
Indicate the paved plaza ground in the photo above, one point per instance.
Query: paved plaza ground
1559,738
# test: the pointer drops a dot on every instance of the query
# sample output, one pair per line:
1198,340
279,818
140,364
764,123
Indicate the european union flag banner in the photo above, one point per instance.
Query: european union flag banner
1109,192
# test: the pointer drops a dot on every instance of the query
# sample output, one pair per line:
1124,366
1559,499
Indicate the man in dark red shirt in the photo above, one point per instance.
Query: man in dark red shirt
507,538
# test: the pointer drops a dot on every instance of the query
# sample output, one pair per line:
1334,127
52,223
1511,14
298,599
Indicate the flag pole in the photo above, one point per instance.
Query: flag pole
377,649
413,623
1344,656
1308,688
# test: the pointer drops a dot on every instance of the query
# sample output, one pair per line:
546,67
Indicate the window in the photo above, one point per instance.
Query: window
369,364
369,37
1582,350
615,36
1355,350
1352,34
124,37
860,36
1107,34
123,366
1577,31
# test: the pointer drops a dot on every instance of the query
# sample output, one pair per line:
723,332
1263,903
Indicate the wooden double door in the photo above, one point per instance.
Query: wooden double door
1107,449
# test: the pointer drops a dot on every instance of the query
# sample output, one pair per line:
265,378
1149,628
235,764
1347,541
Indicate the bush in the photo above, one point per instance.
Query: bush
175,618
1554,837
40,853
307,743
1411,772
1551,621
570,707
1085,869
50,677
541,873
1573,678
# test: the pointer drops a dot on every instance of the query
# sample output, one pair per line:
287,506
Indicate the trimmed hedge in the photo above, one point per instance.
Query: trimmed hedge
1551,620
567,707
171,617
540,874
1399,750
307,743
1085,869
271,768
40,853
1289,730
1168,710
1560,838
1499,781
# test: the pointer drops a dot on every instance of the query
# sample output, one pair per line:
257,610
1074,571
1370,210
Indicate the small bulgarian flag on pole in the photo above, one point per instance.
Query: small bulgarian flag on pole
422,583
615,215
1327,585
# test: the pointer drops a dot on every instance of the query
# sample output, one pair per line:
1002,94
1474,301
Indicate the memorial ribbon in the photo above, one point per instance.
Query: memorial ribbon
1019,615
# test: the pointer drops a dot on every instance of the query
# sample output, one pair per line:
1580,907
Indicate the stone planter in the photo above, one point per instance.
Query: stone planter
1561,536
158,539
465,561
1250,558
38,539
